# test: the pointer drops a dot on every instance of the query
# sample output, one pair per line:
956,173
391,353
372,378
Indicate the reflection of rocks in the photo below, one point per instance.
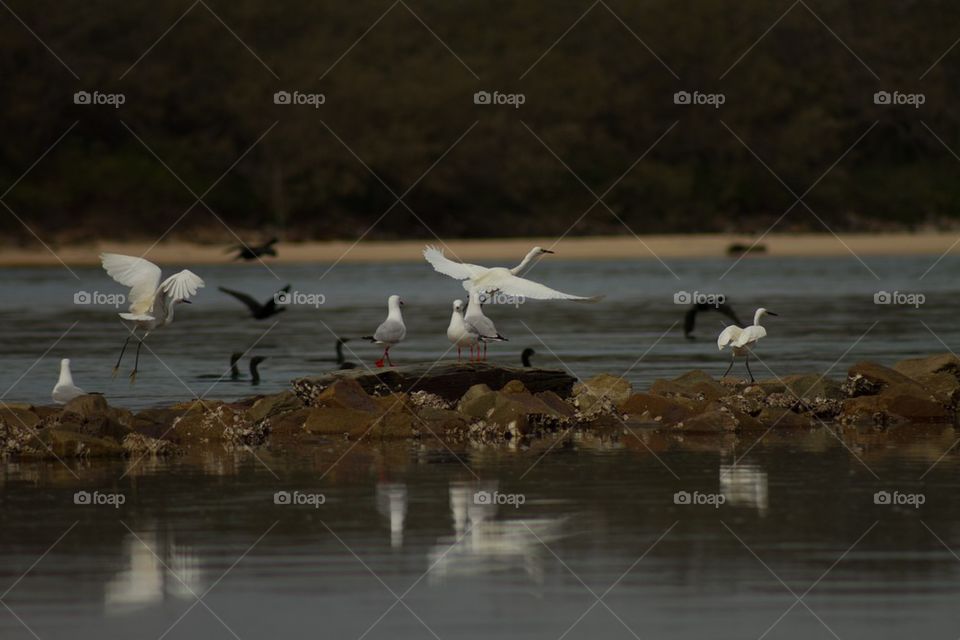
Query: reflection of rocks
744,485
496,409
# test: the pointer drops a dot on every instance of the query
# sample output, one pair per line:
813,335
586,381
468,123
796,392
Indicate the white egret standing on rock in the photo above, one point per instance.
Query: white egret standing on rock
65,391
481,324
741,341
151,301
459,332
486,279
391,331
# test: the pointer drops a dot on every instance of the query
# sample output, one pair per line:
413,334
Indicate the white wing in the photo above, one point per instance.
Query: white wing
456,270
142,276
728,335
390,332
64,393
750,335
512,285
180,286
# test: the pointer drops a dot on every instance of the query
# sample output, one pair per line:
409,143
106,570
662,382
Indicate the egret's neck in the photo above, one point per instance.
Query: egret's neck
528,261
756,318
65,376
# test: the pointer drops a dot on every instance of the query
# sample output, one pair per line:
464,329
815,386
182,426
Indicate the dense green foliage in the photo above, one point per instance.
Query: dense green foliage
400,99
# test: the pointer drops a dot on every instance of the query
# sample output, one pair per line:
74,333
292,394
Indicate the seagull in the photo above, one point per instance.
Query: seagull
459,332
65,391
391,331
252,252
742,340
261,311
525,356
486,280
481,324
690,319
151,302
341,361
254,374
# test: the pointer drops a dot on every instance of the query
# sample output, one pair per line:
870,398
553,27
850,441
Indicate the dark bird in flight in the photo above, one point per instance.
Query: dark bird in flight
259,311
252,252
525,356
690,319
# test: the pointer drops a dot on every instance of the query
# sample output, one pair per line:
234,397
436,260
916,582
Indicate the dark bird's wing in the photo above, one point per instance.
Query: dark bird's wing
270,307
252,304
727,310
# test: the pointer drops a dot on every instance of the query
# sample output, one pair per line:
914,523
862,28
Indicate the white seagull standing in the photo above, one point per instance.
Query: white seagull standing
481,324
508,281
65,391
391,331
459,333
151,301
741,341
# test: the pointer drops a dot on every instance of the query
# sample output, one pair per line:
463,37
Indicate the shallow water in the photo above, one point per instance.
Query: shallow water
827,320
598,520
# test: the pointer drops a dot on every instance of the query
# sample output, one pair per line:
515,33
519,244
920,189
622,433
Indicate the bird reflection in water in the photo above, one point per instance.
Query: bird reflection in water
392,505
744,485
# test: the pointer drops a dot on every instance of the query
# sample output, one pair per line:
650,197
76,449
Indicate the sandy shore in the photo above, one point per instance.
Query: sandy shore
506,250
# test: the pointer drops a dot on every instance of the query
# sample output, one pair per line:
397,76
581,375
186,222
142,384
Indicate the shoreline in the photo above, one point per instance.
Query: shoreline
649,247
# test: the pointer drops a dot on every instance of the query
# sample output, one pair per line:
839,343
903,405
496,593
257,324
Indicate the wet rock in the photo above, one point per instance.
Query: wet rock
604,389
943,386
155,423
136,444
555,402
942,363
668,411
273,405
420,399
449,381
337,421
289,424
87,405
345,394
19,416
868,378
72,444
477,401
215,423
716,421
781,418
695,385
441,421
897,403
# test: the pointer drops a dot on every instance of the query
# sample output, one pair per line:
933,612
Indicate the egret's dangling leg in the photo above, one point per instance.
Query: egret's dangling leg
733,359
136,361
117,366
748,368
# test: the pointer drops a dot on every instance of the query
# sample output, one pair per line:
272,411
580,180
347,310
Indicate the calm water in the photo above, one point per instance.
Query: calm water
826,305
598,519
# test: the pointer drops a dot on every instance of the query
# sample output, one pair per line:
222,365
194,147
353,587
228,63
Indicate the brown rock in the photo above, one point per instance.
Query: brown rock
477,402
345,394
716,421
598,389
19,417
868,378
555,402
72,444
661,409
289,424
695,385
336,421
441,421
514,386
904,402
269,406
780,418
942,363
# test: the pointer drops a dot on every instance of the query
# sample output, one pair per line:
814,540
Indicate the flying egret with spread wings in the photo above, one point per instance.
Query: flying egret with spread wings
742,341
507,281
151,302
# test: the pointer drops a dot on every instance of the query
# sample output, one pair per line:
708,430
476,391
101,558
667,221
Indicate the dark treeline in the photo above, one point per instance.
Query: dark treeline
399,100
